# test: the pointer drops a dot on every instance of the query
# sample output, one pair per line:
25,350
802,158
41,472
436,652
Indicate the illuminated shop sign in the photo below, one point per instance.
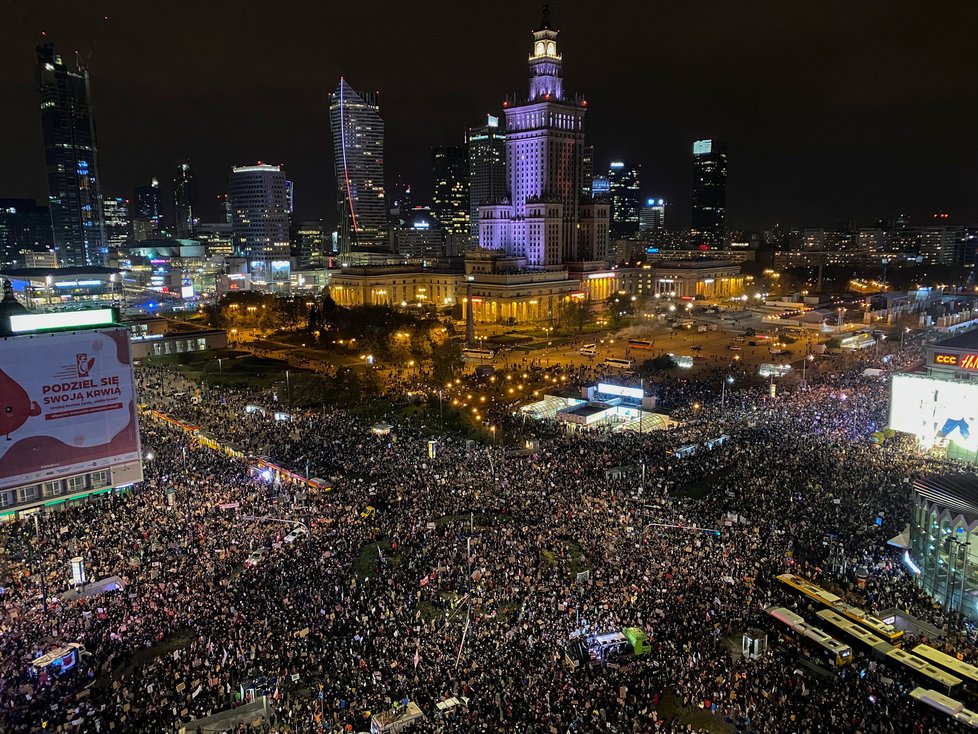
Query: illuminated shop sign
961,361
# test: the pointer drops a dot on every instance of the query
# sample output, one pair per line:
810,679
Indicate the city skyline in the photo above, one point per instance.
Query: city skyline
867,132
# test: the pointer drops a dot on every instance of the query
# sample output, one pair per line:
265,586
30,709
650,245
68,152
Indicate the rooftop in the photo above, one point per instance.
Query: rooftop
54,272
965,340
957,493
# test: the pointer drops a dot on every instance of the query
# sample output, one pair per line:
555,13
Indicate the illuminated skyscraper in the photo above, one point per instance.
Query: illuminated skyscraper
450,194
23,226
487,170
626,199
71,155
652,219
147,215
225,202
709,192
545,221
309,245
358,160
259,204
185,202
116,221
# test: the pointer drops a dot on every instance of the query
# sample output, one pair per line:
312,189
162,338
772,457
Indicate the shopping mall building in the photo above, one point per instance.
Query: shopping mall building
943,552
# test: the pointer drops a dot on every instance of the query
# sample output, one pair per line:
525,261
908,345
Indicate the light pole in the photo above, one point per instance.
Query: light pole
804,364
728,380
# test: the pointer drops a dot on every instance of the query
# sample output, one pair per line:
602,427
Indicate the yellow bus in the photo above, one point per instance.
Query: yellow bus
925,672
880,628
866,639
949,663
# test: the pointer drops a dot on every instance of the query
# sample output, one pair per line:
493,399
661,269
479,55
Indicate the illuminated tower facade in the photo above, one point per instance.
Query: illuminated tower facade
487,170
71,155
185,208
358,160
450,194
709,192
545,166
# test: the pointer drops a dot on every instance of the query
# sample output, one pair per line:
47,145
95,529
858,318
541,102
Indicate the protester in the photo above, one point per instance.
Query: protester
456,575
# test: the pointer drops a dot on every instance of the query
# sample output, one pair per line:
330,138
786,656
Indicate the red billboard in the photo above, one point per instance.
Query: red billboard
67,405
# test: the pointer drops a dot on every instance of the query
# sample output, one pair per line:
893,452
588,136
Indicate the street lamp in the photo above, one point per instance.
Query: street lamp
804,365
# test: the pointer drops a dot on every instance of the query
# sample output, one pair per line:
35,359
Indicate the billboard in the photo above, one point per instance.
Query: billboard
67,405
624,392
936,411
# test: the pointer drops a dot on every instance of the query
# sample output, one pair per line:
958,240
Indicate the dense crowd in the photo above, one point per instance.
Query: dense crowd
456,572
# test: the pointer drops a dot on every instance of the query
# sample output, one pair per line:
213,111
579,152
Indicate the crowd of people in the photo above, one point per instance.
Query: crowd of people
457,574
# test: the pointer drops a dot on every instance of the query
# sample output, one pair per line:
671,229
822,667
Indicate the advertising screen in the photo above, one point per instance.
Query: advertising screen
935,411
67,405
624,392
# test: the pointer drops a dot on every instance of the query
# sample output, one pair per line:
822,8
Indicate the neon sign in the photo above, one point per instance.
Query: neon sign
962,361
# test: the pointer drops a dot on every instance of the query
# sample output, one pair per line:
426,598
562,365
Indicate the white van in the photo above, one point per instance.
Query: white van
623,364
588,350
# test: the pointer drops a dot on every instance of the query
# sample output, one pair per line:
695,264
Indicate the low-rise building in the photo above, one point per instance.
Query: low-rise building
683,279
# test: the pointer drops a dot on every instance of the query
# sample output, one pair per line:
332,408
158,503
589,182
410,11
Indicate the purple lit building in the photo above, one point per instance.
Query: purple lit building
546,221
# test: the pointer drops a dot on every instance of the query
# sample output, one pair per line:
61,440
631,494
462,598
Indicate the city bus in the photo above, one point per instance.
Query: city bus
876,625
924,671
969,673
640,344
863,638
824,649
946,705
477,355
622,364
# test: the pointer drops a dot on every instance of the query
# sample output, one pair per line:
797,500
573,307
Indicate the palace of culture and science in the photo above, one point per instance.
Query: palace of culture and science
545,244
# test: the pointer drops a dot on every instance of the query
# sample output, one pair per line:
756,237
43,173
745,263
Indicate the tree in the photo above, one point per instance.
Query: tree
578,313
446,360
617,308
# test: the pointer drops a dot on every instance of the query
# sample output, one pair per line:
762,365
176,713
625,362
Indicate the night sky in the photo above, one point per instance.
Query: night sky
831,110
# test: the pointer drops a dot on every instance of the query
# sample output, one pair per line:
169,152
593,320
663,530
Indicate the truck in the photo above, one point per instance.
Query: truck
59,661
608,647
